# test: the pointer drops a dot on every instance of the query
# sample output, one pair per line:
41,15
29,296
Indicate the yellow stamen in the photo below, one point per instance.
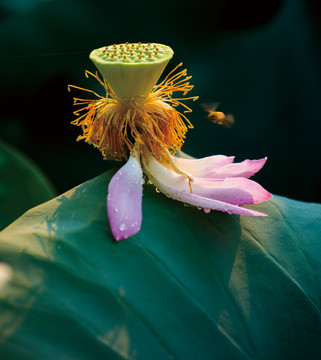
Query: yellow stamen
180,171
115,125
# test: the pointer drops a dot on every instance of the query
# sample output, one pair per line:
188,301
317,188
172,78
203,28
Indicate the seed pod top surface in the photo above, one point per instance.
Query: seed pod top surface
132,69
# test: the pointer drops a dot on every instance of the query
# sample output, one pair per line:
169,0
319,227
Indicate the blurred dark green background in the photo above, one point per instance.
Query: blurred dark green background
261,60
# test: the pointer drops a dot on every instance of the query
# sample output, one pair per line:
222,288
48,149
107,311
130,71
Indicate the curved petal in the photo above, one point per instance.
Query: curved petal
235,191
199,201
201,167
124,200
244,169
220,167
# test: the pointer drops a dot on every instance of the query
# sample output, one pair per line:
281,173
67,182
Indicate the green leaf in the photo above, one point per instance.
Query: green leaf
22,185
189,285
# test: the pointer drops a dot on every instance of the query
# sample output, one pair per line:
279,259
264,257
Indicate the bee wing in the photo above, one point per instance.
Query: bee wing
210,106
228,120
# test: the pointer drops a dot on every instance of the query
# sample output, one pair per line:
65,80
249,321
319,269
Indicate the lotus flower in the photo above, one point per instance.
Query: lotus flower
211,183
137,120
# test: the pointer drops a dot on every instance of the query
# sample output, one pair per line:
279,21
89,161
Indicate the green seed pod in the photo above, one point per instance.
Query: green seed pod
132,70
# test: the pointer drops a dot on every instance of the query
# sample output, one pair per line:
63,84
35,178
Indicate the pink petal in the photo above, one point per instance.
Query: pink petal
206,203
220,167
201,167
235,191
245,169
124,200
222,194
214,204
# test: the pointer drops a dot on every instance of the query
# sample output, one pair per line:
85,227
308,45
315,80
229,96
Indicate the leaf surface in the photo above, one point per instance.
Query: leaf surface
22,185
189,285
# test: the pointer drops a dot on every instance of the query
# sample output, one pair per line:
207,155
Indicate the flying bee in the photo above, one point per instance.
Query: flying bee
218,117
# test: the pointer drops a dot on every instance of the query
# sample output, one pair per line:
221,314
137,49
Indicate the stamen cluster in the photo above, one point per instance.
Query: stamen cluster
120,126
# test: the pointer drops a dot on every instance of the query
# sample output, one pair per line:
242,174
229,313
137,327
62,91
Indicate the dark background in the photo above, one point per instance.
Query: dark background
261,60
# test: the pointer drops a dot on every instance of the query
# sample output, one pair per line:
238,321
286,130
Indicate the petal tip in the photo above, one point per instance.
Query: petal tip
125,230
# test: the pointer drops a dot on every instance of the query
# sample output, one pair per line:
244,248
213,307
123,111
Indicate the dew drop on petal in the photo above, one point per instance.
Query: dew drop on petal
157,190
199,208
122,227
207,210
142,181
116,209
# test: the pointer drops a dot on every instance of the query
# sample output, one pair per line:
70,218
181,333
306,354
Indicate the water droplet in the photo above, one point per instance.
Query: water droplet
122,227
142,181
207,210
136,223
199,208
157,190
116,209
120,173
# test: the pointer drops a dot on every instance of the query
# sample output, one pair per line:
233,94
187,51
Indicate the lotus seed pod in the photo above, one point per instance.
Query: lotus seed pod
132,70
